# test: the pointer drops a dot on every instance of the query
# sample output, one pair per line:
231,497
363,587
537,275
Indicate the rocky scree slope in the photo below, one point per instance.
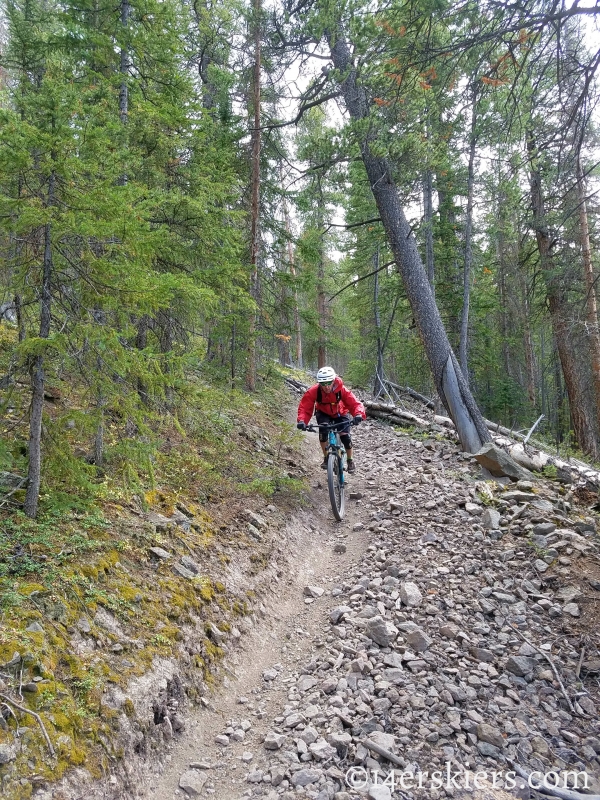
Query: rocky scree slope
467,635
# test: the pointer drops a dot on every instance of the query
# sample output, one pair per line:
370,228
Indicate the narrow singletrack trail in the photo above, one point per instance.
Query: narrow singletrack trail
442,627
284,635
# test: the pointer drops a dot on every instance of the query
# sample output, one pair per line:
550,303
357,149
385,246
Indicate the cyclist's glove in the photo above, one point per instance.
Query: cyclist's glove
301,426
357,419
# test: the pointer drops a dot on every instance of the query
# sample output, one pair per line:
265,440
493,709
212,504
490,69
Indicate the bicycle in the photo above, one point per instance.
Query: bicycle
336,462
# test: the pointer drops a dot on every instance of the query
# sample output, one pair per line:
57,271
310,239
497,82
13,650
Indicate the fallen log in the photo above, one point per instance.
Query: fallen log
396,415
378,406
297,385
412,393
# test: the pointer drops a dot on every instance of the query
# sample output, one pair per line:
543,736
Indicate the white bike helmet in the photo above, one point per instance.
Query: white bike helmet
326,375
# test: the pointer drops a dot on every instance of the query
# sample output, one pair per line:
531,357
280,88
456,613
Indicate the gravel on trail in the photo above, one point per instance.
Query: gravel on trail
447,627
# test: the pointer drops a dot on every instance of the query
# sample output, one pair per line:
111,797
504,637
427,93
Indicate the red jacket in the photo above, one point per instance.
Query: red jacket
329,402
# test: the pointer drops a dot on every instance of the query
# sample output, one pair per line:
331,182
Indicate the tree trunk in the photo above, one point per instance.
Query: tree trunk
124,67
543,393
141,341
165,322
284,352
254,202
449,380
526,326
232,356
559,395
321,297
322,312
590,287
451,270
529,354
17,297
124,71
99,439
464,320
285,337
291,262
428,219
503,310
378,388
206,58
38,379
19,314
582,426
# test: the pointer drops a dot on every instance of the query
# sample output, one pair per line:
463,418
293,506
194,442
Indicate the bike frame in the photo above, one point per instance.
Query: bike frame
334,443
335,447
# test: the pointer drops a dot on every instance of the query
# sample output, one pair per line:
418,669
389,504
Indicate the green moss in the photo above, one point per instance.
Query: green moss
77,756
205,588
28,588
71,666
23,792
129,593
8,649
107,713
128,707
213,651
60,721
68,755
90,571
259,561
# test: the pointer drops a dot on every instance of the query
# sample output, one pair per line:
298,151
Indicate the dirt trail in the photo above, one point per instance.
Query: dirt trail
283,636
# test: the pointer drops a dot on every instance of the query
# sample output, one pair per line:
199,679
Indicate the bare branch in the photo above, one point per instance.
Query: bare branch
362,278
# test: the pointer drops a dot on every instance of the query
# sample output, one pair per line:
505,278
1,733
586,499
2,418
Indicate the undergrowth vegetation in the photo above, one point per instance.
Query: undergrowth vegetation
85,605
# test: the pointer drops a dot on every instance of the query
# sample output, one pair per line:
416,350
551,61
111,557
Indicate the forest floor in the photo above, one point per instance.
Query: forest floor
458,647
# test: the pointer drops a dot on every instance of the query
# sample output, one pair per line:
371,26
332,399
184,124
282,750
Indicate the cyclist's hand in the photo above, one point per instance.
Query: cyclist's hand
357,420
301,426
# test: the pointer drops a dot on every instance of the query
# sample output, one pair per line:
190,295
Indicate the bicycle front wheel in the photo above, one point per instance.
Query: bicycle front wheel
335,482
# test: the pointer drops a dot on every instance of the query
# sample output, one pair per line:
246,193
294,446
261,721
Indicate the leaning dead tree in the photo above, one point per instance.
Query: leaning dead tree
449,380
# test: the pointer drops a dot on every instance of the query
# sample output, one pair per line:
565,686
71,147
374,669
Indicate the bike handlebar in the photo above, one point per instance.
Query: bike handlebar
329,425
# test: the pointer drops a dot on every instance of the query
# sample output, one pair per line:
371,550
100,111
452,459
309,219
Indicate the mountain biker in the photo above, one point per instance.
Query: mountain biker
330,400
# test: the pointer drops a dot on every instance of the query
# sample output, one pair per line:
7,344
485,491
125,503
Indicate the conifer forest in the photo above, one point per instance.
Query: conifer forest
192,192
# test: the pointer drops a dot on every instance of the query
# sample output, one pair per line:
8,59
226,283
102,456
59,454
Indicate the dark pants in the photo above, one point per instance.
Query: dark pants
342,429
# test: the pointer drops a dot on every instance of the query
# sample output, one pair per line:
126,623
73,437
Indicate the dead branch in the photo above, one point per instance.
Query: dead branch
37,717
377,748
554,670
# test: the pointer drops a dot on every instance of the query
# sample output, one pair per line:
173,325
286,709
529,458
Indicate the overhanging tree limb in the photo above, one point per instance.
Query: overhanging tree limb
362,278
353,224
303,109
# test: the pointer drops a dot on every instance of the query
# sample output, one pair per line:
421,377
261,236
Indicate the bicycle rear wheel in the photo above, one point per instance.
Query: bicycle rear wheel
335,482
